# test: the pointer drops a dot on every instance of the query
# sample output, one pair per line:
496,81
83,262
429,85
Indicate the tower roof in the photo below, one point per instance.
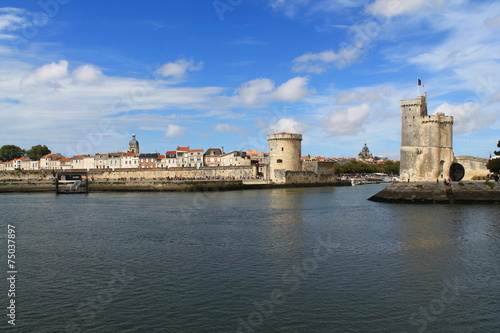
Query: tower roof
133,142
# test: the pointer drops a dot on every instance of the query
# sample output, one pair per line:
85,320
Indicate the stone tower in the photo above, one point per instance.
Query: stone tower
426,142
284,154
133,145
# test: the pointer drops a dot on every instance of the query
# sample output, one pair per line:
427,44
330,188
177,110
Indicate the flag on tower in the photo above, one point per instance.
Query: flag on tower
420,83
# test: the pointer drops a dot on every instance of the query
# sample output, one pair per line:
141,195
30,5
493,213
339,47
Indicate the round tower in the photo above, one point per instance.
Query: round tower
133,145
284,154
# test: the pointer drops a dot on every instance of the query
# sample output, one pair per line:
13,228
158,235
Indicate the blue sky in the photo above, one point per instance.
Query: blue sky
82,76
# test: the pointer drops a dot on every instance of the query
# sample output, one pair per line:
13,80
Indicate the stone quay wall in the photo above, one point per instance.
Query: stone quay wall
219,173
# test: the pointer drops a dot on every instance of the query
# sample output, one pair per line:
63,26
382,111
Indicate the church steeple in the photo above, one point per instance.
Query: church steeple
133,145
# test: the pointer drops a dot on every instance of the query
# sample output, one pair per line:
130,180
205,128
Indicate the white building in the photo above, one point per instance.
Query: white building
130,161
212,157
171,159
114,161
51,162
235,158
189,158
101,161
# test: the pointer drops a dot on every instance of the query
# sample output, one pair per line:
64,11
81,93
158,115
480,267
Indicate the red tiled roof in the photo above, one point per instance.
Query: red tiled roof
170,152
160,156
182,148
254,152
196,150
65,159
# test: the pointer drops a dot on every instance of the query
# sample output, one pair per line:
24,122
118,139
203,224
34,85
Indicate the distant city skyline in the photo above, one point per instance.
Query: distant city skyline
82,76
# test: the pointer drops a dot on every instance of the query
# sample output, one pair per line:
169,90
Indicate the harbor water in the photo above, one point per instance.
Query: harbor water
279,260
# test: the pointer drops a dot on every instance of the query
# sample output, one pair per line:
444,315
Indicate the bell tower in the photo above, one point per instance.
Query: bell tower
133,145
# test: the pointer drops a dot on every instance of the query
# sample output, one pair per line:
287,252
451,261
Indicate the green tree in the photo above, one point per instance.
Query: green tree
390,167
494,165
10,152
38,151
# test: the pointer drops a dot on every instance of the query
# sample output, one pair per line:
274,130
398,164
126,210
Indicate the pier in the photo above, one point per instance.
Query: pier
72,182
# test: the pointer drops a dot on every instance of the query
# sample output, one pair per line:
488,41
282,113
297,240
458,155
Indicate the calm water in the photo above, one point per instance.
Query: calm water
287,260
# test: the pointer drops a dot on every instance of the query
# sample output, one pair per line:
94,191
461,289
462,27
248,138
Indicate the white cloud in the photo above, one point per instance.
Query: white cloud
467,117
293,8
178,69
320,62
288,125
262,91
392,8
226,128
11,18
175,131
348,121
470,36
493,22
49,74
289,7
248,40
293,90
251,92
86,74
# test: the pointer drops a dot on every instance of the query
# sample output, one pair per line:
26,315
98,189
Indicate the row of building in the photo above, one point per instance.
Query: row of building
182,157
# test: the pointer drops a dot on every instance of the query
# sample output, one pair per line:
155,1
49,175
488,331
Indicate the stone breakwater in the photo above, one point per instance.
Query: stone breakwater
456,192
157,186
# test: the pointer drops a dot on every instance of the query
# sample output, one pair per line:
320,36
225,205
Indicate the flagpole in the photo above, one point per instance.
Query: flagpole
418,88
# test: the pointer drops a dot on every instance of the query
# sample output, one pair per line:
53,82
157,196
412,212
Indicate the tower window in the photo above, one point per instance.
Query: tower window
282,148
279,161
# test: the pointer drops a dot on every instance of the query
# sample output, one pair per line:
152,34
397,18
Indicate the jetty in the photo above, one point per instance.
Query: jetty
72,182
426,192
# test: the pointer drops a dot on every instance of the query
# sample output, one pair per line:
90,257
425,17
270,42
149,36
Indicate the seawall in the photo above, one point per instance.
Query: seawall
158,186
456,192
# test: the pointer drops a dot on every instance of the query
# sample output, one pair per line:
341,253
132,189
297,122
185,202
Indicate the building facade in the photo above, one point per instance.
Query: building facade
130,161
212,157
51,162
171,159
235,158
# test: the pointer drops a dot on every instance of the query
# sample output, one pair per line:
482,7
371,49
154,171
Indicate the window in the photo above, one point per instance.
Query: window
282,148
279,161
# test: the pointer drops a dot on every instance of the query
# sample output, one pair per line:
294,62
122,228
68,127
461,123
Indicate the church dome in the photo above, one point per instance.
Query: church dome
133,142
133,145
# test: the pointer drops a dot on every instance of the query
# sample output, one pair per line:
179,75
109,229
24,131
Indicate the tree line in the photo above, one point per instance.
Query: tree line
10,152
389,167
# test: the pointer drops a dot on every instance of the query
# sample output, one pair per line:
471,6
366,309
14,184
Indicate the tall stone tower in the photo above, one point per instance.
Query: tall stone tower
426,142
284,154
133,145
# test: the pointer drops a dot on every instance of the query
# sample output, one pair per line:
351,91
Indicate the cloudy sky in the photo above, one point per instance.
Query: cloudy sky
82,76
